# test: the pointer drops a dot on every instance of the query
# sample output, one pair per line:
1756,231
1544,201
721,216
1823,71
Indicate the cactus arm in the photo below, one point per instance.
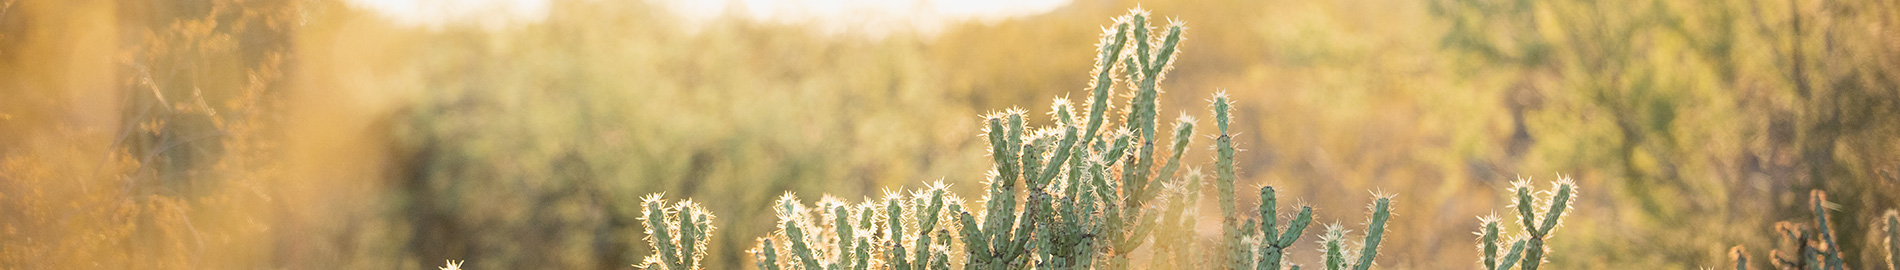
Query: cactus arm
689,236
795,232
1104,79
1559,202
1299,224
1510,259
1488,241
660,235
1168,45
1892,239
1268,206
1055,164
973,241
1375,232
841,220
768,255
1139,19
1524,211
1335,257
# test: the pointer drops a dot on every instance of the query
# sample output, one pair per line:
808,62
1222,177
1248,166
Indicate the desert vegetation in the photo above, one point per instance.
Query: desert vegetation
1056,201
336,134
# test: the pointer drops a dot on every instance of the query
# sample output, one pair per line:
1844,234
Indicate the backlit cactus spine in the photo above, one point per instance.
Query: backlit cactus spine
677,233
1890,237
1531,245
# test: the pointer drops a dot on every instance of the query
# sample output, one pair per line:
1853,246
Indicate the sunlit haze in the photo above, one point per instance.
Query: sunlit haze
865,16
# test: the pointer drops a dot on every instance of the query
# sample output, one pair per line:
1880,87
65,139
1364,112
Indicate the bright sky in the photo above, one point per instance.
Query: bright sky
873,16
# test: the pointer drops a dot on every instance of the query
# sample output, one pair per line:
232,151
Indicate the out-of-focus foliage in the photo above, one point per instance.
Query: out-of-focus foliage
310,134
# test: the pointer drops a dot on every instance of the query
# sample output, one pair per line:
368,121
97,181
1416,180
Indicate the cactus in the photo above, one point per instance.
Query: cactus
1890,237
909,238
1274,242
1528,247
1338,253
1739,255
1814,243
677,233
1078,194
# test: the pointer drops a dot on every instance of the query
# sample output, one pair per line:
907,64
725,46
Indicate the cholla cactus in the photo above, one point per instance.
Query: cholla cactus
1890,236
1528,246
1274,242
1074,195
1339,254
846,236
1815,244
677,233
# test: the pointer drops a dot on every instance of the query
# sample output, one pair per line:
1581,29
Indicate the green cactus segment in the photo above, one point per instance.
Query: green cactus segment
1830,251
1273,241
927,222
841,223
1375,232
1268,218
792,222
1162,60
1529,250
1139,18
688,230
1559,202
767,254
1510,259
1488,243
677,233
661,237
1055,164
1524,206
1333,246
1111,52
1892,239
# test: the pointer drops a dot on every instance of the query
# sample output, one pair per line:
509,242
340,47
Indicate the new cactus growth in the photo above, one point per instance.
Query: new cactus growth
1529,248
677,233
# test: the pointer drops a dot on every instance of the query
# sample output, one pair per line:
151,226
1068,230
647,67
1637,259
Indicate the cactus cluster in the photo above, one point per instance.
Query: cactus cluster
1076,194
902,231
677,233
1528,248
1813,243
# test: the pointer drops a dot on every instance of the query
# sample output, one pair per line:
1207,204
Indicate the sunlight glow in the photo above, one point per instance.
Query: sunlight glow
864,16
